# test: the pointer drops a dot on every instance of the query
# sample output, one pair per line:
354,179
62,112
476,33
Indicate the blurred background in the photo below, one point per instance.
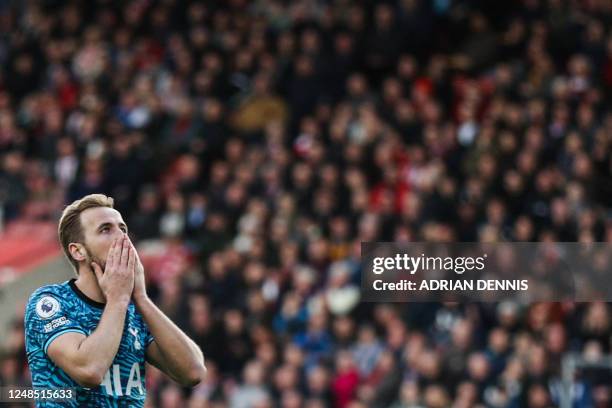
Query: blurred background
252,145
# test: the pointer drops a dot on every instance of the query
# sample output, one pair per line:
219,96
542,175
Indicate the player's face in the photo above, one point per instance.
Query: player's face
101,225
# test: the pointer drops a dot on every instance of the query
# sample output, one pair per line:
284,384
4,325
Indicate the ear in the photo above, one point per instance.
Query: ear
77,251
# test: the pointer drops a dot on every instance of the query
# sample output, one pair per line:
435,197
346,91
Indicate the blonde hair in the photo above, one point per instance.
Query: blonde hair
70,228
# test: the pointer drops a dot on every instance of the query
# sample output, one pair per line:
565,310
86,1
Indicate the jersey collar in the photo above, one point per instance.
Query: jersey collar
83,296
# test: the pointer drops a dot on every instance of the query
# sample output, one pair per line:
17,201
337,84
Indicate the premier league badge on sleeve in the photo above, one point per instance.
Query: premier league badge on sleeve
47,307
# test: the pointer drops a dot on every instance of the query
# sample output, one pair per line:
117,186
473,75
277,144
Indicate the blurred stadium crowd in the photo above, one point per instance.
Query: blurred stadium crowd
252,145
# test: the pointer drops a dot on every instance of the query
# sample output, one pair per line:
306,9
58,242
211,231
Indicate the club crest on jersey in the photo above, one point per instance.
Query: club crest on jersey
134,332
47,307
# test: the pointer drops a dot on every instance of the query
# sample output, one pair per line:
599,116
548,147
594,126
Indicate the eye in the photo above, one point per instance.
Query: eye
105,229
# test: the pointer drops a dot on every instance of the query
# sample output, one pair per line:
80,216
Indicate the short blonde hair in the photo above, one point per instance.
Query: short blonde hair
70,228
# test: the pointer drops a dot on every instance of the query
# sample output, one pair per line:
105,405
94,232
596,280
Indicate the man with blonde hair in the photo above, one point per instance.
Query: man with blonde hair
94,333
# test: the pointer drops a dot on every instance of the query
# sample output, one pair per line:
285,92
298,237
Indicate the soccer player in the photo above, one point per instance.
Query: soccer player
94,333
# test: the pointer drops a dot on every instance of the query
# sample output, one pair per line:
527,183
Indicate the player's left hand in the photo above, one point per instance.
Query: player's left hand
140,287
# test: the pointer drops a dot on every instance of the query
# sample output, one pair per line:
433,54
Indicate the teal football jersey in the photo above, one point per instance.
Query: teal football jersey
54,310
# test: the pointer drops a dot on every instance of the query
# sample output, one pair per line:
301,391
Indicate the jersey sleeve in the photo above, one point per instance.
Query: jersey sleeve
48,316
148,336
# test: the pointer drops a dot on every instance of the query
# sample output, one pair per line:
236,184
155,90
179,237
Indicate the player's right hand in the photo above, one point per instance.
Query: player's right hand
117,280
